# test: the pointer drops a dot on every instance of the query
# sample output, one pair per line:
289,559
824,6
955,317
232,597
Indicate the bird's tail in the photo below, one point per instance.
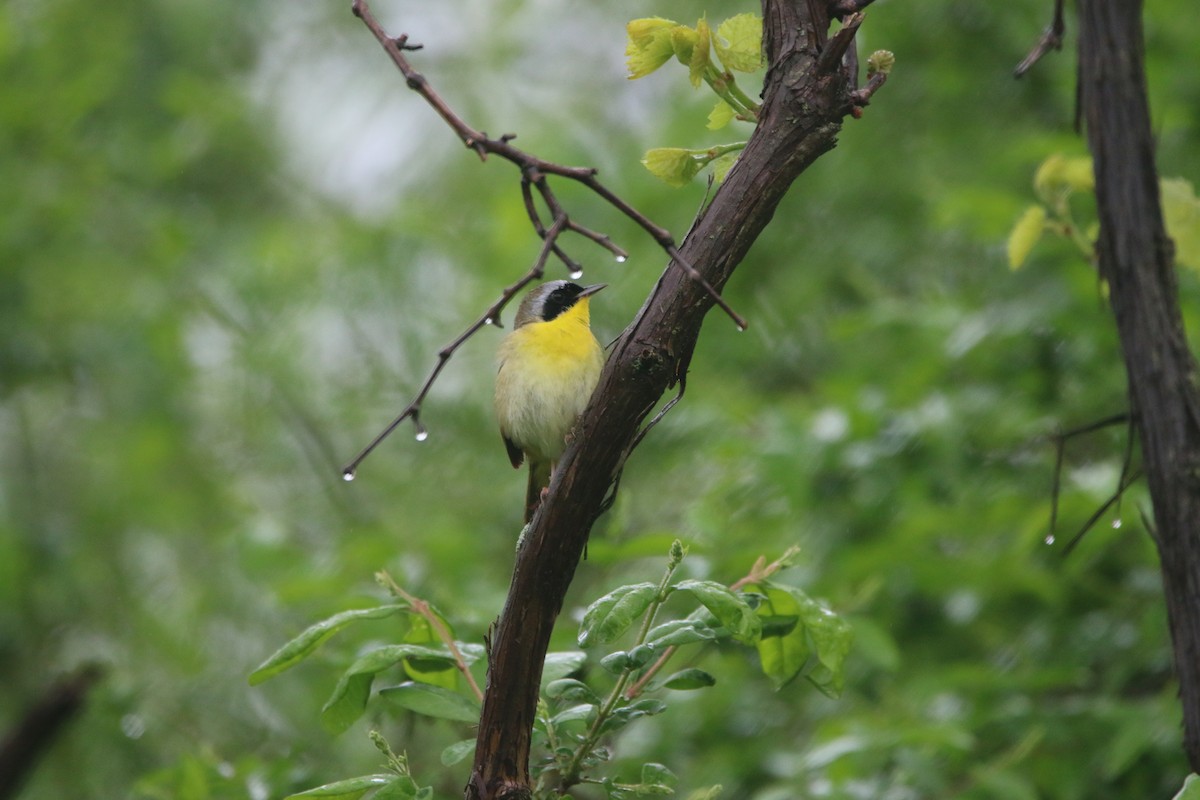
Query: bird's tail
539,478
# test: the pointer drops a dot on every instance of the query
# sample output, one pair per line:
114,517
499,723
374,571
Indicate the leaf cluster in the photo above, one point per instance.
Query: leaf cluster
712,57
792,634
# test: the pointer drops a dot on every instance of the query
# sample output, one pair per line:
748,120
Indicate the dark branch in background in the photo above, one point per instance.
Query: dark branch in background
533,175
1051,39
43,723
1136,258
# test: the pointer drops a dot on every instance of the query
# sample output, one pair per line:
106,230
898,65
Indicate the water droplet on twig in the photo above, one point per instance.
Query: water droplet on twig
348,475
1050,538
621,259
576,274
1116,522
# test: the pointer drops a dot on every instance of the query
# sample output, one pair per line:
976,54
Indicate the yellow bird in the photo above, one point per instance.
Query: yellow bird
549,365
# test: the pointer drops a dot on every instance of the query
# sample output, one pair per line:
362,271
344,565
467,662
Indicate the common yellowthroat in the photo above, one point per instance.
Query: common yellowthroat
549,365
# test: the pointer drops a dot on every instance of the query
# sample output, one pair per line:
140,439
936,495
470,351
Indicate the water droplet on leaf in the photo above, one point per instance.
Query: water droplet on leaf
1050,539
1117,522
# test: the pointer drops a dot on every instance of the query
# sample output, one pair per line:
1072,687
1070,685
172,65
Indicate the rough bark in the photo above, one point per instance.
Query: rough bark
1136,259
804,100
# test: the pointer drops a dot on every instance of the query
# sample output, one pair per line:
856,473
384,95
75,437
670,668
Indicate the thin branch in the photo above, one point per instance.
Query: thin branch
1060,445
1051,39
840,9
484,145
435,622
1087,526
835,49
489,317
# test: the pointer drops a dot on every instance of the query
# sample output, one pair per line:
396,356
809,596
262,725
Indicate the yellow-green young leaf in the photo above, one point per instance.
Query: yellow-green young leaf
1190,789
1049,178
1078,174
1025,235
880,61
720,116
738,43
1059,175
683,42
439,672
722,166
699,61
674,165
1181,210
648,46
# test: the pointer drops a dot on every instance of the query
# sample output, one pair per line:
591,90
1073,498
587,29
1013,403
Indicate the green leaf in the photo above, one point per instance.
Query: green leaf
349,789
783,657
583,711
658,774
738,43
610,616
438,672
648,45
403,788
457,752
820,631
722,165
1059,176
432,701
313,637
624,715
730,609
690,679
560,665
572,690
1025,235
349,698
706,794
677,632
1181,210
721,115
617,662
1190,789
673,165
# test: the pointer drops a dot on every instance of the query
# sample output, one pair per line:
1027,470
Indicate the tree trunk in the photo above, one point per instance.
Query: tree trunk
1136,259
805,98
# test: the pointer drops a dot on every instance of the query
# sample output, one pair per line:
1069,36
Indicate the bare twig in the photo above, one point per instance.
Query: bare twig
1116,495
482,144
435,622
533,174
1060,444
489,317
1051,39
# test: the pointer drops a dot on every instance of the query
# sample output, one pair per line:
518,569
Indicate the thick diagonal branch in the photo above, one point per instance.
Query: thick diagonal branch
800,119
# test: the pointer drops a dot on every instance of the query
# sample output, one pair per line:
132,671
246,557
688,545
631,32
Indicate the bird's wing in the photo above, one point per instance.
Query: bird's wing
515,454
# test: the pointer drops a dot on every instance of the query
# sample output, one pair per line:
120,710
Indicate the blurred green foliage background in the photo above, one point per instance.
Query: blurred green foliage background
232,242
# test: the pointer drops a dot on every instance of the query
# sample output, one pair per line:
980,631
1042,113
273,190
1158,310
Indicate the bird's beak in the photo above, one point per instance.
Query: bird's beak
590,290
